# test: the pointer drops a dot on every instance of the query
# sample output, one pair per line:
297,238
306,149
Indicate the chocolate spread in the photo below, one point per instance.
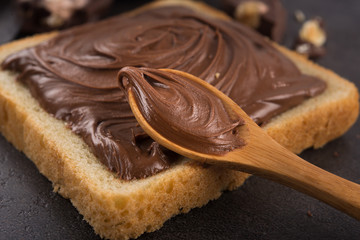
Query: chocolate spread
74,77
163,98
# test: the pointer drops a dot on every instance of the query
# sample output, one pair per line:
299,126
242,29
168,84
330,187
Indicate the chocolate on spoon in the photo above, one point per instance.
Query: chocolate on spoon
193,118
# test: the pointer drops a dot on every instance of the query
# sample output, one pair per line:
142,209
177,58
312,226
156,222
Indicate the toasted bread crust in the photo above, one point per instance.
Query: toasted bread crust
118,209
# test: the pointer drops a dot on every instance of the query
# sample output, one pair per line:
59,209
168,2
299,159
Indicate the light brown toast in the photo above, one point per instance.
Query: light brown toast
119,209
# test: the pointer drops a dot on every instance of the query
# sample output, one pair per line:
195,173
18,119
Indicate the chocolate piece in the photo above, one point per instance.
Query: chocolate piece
206,126
46,15
308,49
266,16
311,40
309,213
74,77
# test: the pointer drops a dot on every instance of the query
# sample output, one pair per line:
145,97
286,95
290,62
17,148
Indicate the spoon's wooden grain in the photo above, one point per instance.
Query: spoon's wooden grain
264,157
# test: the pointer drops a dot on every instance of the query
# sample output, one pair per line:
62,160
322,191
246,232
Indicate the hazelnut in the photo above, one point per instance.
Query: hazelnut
249,12
45,15
313,32
312,37
64,8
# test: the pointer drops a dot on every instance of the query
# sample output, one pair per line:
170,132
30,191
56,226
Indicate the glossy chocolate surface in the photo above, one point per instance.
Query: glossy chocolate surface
74,77
183,111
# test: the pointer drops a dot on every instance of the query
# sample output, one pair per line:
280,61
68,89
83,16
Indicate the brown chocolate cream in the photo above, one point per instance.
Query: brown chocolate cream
74,77
182,110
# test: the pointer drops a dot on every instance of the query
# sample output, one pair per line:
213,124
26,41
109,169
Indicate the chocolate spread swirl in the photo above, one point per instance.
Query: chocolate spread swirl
74,77
163,98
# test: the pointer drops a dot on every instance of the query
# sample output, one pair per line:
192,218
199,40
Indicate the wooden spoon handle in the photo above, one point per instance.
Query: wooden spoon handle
263,156
278,164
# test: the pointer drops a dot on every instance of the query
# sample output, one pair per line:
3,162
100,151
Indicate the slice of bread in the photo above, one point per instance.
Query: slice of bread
120,209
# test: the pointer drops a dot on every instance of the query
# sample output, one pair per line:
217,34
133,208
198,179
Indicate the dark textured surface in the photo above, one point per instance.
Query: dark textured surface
9,23
258,210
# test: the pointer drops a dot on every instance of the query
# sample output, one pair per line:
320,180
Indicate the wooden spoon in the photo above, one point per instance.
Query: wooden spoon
264,157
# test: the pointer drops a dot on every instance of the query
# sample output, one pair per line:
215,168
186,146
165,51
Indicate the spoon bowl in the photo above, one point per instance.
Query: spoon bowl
264,157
